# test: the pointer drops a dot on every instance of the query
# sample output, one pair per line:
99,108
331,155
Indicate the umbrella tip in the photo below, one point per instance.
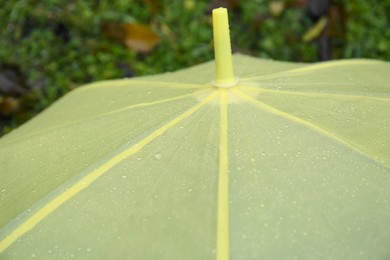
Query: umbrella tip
222,50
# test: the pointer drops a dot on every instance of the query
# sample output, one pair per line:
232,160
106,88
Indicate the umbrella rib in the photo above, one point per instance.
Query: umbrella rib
53,128
316,95
88,179
131,83
223,184
314,68
311,94
300,121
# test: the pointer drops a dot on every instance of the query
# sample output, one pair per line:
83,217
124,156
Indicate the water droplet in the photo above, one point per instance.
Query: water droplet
88,249
3,190
189,190
158,156
33,191
124,176
32,255
253,159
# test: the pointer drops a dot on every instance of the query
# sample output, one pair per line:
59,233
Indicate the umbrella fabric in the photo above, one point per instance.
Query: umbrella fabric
130,167
291,162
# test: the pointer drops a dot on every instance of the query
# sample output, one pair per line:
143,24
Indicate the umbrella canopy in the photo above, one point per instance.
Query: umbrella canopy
286,161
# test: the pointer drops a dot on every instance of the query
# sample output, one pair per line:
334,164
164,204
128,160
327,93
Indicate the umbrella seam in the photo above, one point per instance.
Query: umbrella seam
223,244
300,121
128,108
315,67
126,83
311,94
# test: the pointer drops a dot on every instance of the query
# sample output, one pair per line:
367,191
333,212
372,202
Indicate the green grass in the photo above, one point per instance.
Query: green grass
57,45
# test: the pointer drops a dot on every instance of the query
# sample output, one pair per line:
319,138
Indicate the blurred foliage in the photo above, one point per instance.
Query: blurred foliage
50,47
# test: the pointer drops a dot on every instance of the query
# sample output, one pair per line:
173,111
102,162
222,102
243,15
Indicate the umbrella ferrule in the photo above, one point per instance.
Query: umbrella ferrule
222,49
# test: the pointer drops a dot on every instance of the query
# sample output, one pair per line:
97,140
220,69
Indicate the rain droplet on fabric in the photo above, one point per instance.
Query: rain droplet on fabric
190,190
124,176
158,156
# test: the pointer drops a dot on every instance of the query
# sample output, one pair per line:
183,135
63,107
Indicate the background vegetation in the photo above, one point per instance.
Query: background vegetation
50,47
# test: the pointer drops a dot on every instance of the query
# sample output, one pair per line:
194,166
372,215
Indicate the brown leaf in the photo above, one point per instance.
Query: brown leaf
134,36
139,37
9,105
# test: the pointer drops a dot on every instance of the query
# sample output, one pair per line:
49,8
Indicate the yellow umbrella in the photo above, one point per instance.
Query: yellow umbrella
282,161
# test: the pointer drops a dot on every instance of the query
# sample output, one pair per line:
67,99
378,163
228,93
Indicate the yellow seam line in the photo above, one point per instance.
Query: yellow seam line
130,83
45,130
223,247
305,123
313,67
310,94
93,176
